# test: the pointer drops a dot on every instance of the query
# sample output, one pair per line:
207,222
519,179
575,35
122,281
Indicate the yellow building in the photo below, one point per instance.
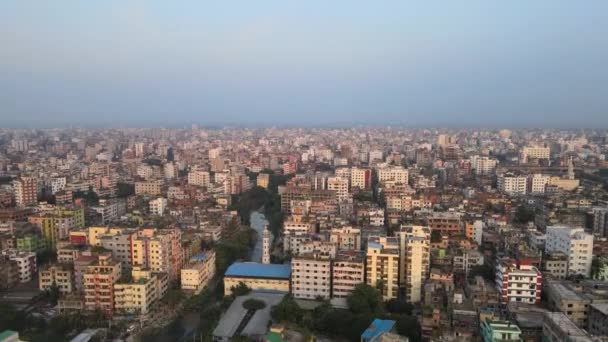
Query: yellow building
414,245
382,265
56,225
257,276
141,292
263,180
59,275
196,274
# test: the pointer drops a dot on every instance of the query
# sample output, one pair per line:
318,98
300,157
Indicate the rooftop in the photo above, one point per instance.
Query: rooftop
258,270
377,327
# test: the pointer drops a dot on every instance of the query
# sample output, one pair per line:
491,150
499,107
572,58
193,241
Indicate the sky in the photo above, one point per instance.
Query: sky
485,63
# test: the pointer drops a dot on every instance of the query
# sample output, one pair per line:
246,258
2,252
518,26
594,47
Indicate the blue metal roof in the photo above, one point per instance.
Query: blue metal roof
378,326
257,270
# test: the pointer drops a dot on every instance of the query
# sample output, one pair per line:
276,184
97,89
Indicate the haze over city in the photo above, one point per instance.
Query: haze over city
313,63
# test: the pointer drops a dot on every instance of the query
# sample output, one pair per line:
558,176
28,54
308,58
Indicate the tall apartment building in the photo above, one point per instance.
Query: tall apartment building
9,273
535,152
360,178
59,275
483,166
160,250
573,242
99,279
293,231
197,273
311,276
26,191
537,183
393,174
348,271
382,265
600,221
414,260
199,177
296,193
518,282
346,238
512,184
340,186
56,225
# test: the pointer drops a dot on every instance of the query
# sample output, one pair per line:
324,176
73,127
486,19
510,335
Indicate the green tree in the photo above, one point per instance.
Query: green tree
254,304
240,290
365,299
287,311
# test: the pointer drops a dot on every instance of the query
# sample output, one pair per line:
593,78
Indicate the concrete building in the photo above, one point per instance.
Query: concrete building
26,263
518,282
393,175
556,264
197,273
537,183
346,238
465,260
447,223
55,225
348,270
9,273
535,152
557,327
340,186
152,187
512,184
598,320
257,276
140,293
99,280
59,275
26,191
158,206
199,178
500,331
360,178
414,260
574,243
311,276
382,265
483,166
562,297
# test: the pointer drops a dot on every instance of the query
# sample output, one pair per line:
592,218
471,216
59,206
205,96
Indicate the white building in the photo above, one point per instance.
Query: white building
538,183
266,246
511,184
311,277
573,242
346,238
483,166
535,152
393,174
348,271
158,206
518,283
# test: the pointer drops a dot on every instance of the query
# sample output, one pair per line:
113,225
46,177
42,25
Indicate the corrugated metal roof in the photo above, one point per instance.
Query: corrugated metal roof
258,270
378,326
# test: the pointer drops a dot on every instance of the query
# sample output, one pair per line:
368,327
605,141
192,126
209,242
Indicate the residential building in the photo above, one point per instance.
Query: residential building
563,297
9,273
199,177
535,152
348,270
26,263
360,178
60,275
152,187
393,175
557,327
483,166
158,206
311,276
26,191
518,282
140,293
500,331
340,186
598,319
446,223
512,184
197,273
346,238
99,279
576,244
382,265
414,260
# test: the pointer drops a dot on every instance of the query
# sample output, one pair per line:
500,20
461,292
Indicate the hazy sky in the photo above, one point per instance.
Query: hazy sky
426,63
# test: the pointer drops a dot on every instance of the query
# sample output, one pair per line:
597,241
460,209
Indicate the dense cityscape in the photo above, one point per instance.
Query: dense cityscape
291,234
